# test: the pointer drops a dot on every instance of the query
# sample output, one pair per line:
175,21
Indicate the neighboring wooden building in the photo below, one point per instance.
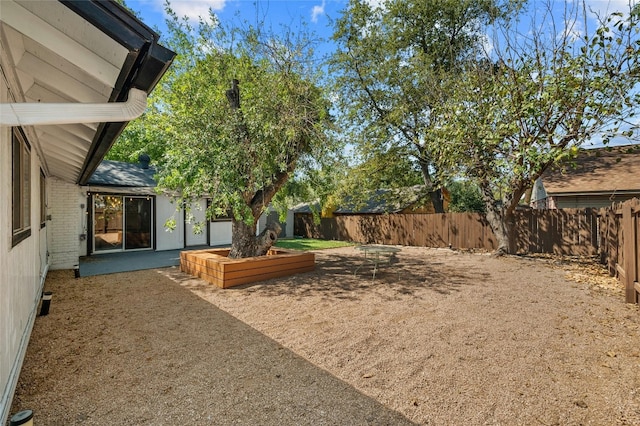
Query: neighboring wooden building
600,177
73,74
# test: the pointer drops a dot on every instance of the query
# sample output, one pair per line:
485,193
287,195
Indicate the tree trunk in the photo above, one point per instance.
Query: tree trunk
503,226
245,243
502,222
435,194
267,238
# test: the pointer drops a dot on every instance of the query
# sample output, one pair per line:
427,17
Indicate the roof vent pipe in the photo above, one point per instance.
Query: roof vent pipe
144,160
31,114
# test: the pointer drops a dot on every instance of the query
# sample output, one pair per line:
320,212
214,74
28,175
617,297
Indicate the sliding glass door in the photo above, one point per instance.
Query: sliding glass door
137,223
122,222
107,223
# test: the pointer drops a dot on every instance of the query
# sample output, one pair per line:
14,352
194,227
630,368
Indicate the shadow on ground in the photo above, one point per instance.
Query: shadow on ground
345,276
134,348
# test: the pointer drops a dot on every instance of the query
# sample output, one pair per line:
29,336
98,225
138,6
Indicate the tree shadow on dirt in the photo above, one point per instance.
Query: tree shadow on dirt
348,277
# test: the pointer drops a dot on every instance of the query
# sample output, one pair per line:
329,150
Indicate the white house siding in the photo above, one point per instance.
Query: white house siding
198,211
20,271
68,211
272,214
289,224
220,233
166,239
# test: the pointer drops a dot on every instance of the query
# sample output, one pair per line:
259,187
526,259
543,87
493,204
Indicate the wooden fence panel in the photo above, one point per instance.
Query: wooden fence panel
563,232
629,256
608,242
418,223
470,230
636,266
437,230
619,238
560,232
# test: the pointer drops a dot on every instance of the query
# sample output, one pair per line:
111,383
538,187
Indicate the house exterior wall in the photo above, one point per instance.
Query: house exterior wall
68,210
287,227
70,213
585,201
220,233
289,224
22,270
165,238
198,211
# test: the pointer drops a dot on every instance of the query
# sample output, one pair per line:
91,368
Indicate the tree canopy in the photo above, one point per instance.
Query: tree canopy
239,111
541,93
390,68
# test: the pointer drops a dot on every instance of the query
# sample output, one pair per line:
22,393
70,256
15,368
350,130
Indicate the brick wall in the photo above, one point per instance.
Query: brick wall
67,223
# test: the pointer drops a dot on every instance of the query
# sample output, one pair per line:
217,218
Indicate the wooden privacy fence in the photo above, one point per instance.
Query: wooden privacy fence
620,245
569,232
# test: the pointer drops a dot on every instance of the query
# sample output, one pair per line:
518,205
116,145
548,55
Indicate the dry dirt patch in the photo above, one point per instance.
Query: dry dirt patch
440,337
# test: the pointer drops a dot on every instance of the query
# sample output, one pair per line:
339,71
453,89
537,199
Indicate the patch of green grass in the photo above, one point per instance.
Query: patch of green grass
310,244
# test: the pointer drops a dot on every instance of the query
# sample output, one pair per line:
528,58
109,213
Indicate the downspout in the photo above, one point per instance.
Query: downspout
32,114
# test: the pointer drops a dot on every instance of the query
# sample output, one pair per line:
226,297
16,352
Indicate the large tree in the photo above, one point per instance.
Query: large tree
546,87
389,68
240,111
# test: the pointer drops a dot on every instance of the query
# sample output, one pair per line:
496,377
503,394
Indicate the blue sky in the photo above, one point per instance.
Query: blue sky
316,13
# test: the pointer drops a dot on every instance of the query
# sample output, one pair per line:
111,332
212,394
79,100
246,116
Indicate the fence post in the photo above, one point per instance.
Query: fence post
630,273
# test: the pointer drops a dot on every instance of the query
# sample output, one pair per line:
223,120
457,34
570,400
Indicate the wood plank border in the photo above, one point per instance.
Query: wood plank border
214,266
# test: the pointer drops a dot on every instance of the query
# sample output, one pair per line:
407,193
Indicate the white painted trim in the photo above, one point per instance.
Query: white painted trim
7,396
42,32
29,114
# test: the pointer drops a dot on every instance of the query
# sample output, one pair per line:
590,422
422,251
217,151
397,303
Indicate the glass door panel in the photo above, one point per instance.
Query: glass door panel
107,223
138,223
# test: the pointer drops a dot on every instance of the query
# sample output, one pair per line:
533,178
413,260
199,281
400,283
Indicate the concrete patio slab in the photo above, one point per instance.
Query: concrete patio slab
110,263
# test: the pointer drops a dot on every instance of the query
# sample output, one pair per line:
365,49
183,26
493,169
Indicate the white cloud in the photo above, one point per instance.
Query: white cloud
195,9
573,30
317,11
606,7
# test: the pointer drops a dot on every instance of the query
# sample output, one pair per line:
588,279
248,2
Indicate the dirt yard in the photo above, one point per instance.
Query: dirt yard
438,338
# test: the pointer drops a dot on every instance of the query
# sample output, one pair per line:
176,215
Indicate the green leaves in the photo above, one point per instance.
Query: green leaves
535,102
239,158
394,66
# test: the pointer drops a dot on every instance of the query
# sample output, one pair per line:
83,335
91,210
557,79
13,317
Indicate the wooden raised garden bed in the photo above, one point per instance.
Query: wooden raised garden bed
214,266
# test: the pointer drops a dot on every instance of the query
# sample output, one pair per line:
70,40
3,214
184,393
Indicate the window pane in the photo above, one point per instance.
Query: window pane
138,213
16,200
26,187
43,199
107,222
20,187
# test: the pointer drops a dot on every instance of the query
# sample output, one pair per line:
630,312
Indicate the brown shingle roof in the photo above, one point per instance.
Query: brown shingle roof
597,170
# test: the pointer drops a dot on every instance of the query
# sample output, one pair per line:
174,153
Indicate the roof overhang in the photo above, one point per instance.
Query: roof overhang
593,193
76,52
122,190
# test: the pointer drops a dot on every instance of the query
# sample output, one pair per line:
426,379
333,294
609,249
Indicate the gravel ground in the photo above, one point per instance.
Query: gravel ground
438,338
